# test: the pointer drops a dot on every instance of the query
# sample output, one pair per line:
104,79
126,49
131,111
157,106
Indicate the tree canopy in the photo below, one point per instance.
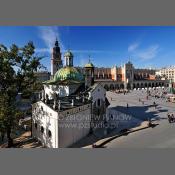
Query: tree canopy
17,75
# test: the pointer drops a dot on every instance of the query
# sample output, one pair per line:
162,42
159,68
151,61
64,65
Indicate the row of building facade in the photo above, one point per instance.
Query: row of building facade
167,73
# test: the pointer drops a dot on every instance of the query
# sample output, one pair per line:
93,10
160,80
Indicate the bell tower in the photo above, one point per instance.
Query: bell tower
89,74
56,62
69,58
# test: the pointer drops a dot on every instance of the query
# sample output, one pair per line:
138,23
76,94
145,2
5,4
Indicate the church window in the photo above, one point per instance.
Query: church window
36,126
42,129
98,112
98,102
49,133
95,104
112,117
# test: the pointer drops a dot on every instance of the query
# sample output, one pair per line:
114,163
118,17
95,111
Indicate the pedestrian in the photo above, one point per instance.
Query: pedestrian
172,118
139,100
154,103
169,118
94,145
127,105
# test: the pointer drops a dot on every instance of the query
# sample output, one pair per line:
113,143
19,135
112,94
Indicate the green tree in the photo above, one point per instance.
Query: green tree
17,75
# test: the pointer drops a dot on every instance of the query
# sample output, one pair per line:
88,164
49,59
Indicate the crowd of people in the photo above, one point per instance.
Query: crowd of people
119,91
157,93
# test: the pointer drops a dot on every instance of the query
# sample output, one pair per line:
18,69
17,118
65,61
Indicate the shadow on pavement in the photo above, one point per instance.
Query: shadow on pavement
141,113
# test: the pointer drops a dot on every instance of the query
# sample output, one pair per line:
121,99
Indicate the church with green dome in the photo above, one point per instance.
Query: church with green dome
66,80
67,74
69,95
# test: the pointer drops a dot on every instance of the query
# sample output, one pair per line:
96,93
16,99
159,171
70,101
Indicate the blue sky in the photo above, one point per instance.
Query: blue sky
107,46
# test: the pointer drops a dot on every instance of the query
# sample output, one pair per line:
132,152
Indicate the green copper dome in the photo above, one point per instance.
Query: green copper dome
68,73
89,65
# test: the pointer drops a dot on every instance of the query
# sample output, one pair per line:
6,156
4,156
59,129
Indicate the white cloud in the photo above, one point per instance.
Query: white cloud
143,54
149,53
48,35
133,47
76,51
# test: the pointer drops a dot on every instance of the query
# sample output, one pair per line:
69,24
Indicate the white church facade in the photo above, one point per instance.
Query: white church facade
68,102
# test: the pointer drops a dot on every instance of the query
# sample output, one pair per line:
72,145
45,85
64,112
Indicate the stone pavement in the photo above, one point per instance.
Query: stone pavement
161,136
113,135
99,138
140,110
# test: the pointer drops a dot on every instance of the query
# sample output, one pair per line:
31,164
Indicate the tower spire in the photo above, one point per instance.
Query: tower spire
89,58
56,62
56,42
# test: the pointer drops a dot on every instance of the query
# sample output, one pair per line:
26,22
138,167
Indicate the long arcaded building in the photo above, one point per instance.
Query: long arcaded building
127,77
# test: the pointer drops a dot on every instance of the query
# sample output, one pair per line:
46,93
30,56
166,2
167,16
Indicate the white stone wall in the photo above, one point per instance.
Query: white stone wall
61,90
46,117
66,127
74,126
98,93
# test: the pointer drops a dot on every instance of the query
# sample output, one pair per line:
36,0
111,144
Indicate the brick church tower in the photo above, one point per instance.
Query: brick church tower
56,62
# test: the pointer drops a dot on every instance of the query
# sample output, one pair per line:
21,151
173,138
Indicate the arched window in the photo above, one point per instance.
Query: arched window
42,129
95,104
36,125
98,102
112,117
49,134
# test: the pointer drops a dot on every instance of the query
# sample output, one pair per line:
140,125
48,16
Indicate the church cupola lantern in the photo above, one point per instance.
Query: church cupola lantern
69,58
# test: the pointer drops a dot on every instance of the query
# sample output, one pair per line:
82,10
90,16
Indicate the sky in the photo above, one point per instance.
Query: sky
106,46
